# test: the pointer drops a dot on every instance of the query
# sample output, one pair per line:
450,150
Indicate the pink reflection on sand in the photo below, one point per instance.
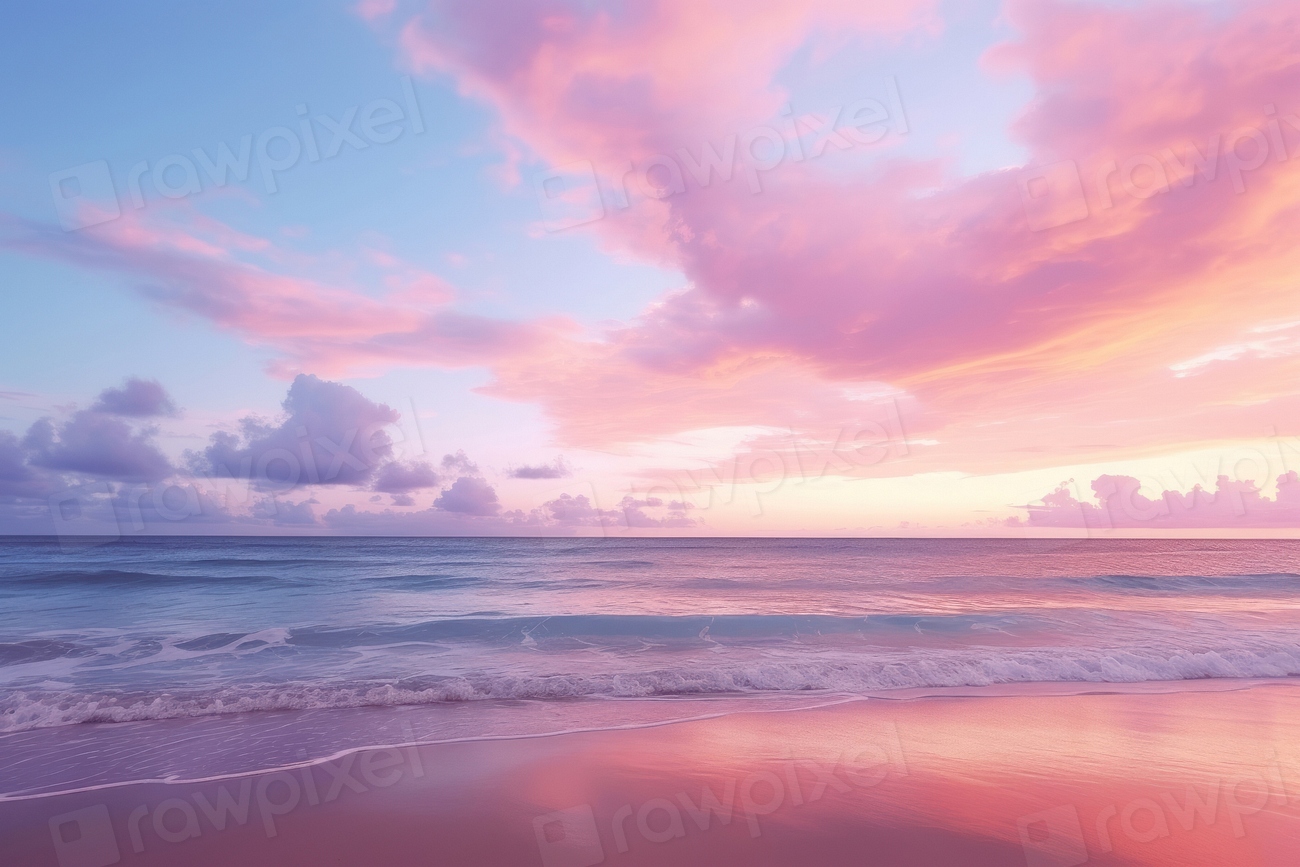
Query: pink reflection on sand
1186,778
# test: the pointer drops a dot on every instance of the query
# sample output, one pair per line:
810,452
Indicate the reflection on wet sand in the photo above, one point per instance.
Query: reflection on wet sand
1186,778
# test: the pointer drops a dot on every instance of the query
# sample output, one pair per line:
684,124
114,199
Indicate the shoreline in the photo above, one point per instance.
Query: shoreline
733,704
1011,687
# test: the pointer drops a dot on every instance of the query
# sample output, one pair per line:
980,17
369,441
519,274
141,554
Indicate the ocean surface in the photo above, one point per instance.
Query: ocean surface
177,628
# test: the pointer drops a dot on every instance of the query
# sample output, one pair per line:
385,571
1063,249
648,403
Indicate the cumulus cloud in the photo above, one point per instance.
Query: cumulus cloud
1119,504
469,495
634,513
17,477
437,522
459,464
564,515
290,514
331,435
557,469
134,488
578,511
137,398
400,479
95,444
110,471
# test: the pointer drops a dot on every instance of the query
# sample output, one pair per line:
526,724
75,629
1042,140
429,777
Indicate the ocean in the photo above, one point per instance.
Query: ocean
184,627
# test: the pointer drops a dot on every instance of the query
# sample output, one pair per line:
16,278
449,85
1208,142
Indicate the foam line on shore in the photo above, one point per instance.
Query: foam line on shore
1023,690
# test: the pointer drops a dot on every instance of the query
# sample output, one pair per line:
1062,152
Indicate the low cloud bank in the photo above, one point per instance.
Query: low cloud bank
1119,504
101,471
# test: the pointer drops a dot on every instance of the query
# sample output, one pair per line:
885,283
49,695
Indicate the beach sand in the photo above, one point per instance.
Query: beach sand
1195,775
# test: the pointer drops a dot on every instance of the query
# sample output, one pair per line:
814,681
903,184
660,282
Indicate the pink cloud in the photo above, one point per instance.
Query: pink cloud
1119,504
904,274
373,10
187,262
577,81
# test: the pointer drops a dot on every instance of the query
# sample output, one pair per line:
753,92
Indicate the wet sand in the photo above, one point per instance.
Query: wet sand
1140,778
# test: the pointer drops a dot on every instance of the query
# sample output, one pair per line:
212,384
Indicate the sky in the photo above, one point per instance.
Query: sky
671,267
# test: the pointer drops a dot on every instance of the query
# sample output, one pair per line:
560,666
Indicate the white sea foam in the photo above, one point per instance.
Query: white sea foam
858,674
